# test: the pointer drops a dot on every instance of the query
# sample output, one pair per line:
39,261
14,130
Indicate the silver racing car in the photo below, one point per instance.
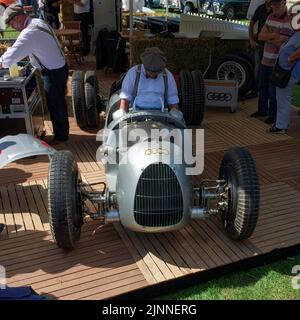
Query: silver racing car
146,189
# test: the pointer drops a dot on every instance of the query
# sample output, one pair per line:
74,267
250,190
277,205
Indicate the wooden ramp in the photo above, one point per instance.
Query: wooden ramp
110,260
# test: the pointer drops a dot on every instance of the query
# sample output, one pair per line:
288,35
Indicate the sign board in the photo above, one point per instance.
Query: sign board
221,93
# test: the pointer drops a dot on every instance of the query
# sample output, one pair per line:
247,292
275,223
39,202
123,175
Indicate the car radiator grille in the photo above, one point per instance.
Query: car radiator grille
158,199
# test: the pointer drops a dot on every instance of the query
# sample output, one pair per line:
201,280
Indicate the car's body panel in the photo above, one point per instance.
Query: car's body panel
13,148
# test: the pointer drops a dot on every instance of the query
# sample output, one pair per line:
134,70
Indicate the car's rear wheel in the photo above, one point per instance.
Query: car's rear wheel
187,97
65,205
91,90
242,195
78,98
199,97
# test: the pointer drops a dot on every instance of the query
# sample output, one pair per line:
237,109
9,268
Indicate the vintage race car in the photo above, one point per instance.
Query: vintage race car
146,189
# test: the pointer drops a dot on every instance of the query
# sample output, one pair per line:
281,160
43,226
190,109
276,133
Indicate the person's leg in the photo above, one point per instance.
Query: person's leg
84,27
257,63
85,19
284,97
272,110
55,82
263,91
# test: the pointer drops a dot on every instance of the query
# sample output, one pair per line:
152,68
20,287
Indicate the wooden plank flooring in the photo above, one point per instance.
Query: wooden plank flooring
111,260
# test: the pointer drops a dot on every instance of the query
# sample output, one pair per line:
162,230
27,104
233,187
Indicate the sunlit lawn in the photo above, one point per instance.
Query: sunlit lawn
269,282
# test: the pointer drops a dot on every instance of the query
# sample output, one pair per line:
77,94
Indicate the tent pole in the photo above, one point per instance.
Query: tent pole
130,29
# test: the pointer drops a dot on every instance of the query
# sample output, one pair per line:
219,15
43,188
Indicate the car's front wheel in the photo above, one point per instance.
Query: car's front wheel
64,200
241,193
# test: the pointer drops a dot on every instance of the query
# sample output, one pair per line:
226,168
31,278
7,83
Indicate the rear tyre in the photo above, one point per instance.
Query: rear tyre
242,196
113,105
91,90
199,97
64,200
78,99
187,97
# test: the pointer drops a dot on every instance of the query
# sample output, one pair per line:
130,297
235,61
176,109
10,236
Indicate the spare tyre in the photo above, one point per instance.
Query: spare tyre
199,97
91,90
78,99
187,97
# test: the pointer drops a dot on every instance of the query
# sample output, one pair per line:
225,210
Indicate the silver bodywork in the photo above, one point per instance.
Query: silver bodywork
123,178
13,148
195,25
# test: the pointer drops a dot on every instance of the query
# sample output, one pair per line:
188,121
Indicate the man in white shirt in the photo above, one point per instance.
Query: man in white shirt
82,13
37,41
149,86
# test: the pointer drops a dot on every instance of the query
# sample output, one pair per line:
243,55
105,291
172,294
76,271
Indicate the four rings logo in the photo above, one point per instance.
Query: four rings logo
148,152
219,96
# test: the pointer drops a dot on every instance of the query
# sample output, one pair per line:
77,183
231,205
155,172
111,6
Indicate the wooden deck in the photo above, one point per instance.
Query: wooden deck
111,260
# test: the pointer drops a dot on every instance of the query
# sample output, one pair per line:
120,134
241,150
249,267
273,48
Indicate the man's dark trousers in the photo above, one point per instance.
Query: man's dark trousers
55,83
84,18
267,93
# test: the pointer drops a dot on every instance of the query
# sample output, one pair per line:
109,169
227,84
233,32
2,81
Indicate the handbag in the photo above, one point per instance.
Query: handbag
280,77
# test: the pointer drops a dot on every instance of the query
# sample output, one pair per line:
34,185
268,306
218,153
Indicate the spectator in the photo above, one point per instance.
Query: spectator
41,7
274,33
288,58
3,5
82,14
38,41
254,4
30,7
258,19
51,11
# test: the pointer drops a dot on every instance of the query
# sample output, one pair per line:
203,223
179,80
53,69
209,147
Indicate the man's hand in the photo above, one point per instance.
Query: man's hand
177,114
279,40
1,65
252,44
118,114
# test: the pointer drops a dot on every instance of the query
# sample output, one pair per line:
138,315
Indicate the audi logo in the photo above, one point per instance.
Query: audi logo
219,96
149,152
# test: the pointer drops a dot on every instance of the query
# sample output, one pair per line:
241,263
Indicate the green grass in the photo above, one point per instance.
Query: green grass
269,282
296,96
10,33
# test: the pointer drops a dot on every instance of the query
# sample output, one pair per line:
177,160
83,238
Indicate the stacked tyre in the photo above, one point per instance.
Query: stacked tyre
192,96
86,102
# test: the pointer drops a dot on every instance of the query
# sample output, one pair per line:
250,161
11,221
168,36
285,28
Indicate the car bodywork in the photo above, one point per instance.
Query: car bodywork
13,148
143,159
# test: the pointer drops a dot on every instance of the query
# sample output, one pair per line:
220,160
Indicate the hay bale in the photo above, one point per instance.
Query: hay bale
190,54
